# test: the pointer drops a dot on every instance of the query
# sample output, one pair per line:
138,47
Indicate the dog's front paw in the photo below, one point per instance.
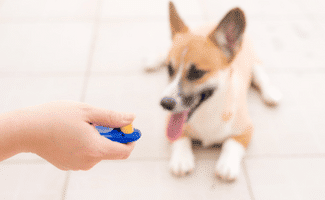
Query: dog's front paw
227,168
271,96
153,62
182,160
228,165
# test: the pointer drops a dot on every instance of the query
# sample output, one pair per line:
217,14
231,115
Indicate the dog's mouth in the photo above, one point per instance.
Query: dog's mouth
177,120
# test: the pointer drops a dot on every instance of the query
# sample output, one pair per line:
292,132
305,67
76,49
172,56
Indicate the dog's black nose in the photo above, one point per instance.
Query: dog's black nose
168,103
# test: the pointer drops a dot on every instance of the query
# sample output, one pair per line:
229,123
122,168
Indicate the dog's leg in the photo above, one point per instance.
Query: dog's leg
270,94
232,153
182,158
154,62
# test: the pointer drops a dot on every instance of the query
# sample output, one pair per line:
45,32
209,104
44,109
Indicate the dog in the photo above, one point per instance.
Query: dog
210,70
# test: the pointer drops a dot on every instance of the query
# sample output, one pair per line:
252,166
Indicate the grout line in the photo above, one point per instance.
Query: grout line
285,156
44,74
248,181
278,70
53,20
65,185
147,18
86,80
155,159
249,157
24,162
91,51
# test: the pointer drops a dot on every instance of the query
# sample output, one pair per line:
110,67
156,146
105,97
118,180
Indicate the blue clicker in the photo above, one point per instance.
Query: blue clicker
116,135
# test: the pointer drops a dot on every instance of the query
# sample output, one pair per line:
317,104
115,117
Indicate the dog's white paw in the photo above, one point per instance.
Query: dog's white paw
153,62
182,159
271,95
227,168
228,165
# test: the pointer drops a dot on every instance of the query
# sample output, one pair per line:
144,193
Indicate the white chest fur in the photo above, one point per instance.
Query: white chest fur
207,119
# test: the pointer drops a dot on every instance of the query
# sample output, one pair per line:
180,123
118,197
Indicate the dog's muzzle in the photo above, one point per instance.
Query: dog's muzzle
169,103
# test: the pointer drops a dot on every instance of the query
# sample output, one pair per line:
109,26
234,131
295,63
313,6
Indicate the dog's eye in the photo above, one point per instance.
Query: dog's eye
171,71
194,73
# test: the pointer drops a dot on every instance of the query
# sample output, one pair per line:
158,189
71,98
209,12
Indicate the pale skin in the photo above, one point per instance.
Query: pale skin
63,133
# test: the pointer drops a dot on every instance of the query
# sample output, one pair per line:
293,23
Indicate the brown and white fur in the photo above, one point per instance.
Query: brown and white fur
211,70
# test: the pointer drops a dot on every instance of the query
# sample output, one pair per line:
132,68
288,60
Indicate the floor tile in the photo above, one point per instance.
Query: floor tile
321,22
31,181
124,46
48,9
54,47
127,46
148,9
287,178
24,158
296,125
19,92
152,180
288,44
314,7
257,8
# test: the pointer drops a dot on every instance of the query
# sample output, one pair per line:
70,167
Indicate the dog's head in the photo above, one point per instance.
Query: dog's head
198,63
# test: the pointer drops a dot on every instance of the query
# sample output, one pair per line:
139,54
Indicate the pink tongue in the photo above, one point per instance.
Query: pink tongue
175,125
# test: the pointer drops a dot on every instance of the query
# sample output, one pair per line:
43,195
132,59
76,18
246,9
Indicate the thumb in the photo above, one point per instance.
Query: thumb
109,118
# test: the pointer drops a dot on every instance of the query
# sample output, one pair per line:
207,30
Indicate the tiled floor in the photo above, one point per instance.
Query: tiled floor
95,50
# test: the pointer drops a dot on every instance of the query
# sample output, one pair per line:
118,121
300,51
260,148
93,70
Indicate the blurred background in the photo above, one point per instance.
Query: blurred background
95,51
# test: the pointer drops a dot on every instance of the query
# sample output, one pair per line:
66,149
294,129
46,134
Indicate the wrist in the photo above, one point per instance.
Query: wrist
11,142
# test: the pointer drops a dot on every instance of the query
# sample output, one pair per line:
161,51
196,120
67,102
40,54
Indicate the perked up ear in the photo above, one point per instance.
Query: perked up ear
176,23
228,34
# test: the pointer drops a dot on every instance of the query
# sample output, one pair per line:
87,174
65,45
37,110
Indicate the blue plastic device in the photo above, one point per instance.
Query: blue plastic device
116,135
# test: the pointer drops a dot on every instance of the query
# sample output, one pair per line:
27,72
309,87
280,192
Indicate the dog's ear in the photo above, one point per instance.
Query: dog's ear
228,34
176,23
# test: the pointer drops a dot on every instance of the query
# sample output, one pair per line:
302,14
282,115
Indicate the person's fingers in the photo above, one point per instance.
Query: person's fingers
115,150
109,118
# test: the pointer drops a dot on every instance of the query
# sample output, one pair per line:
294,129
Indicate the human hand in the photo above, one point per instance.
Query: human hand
62,133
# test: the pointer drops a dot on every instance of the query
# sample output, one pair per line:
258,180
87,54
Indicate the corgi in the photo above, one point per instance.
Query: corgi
210,70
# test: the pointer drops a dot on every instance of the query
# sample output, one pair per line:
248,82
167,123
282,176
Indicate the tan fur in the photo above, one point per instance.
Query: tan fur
200,52
245,137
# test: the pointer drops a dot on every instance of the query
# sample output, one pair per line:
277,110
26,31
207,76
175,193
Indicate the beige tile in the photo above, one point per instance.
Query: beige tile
288,44
49,47
31,181
127,46
320,21
252,8
149,8
23,91
287,178
152,180
314,7
296,126
48,9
